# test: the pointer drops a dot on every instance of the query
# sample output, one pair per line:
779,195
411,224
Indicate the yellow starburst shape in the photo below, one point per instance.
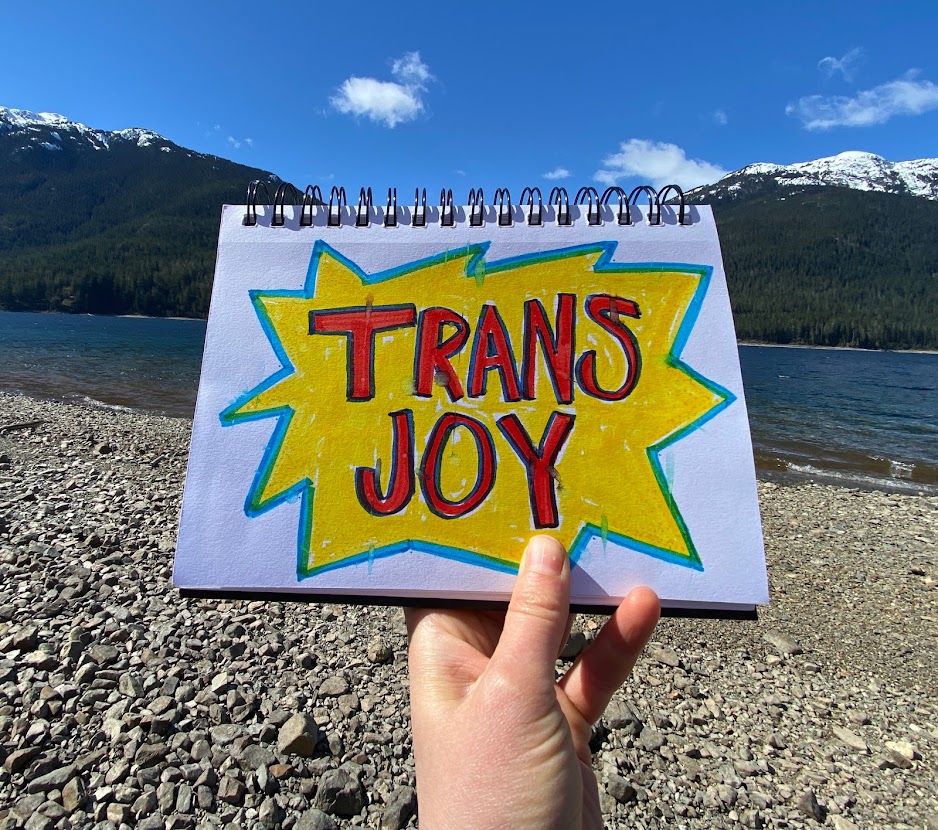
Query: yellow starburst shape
454,406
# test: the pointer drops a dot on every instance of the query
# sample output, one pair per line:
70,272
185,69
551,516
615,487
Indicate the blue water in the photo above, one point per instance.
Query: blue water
864,418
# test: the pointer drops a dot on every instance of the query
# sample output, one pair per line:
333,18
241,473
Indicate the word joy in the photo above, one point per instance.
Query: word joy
442,334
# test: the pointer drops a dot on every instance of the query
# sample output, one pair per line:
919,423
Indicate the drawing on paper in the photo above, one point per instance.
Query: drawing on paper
454,405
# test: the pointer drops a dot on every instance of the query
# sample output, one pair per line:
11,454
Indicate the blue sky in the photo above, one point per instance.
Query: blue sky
488,94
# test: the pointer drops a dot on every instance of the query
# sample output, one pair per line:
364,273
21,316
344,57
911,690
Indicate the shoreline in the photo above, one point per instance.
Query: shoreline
769,468
738,342
824,709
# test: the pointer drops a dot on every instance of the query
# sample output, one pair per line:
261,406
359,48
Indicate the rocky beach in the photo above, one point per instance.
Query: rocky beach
124,705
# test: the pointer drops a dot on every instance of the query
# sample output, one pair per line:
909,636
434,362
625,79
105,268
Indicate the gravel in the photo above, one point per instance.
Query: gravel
124,705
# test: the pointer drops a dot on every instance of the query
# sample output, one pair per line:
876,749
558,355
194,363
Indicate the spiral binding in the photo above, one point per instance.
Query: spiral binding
531,197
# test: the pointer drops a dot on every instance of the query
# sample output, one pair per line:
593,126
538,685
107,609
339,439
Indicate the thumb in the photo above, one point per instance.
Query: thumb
537,615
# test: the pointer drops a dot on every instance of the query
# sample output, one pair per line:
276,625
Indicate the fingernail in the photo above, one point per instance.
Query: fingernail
545,555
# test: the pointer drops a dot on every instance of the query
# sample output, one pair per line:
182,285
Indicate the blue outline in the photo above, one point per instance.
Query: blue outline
474,255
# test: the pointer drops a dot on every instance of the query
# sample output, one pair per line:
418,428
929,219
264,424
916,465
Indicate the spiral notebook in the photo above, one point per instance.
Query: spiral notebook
396,397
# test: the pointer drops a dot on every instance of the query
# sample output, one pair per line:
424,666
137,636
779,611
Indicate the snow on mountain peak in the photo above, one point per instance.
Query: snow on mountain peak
854,169
36,126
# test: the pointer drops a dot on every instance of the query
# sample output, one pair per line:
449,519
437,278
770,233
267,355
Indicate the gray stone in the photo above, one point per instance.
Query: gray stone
298,736
575,645
379,651
255,756
230,790
340,794
314,819
399,808
54,780
785,645
842,823
130,685
652,740
333,686
149,754
808,805
851,739
665,656
620,715
19,759
903,748
73,795
620,789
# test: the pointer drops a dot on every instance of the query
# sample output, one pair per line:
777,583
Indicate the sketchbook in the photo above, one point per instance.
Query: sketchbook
395,398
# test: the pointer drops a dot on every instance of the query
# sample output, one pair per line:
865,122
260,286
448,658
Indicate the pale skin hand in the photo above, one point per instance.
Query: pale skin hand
498,742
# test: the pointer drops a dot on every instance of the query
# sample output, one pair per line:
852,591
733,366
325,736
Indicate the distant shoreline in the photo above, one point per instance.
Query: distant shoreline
738,342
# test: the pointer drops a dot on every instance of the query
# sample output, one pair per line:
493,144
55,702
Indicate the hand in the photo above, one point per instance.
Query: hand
498,741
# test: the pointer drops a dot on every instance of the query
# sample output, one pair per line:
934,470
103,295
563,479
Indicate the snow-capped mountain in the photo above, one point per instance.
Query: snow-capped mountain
855,170
53,132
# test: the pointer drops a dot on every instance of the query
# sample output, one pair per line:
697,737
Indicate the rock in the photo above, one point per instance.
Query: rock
314,819
652,740
230,790
41,660
118,814
665,656
333,686
851,739
150,754
225,734
340,794
255,756
786,646
620,789
620,715
808,805
841,823
130,685
298,736
19,759
903,748
54,780
575,645
72,795
270,814
379,651
399,808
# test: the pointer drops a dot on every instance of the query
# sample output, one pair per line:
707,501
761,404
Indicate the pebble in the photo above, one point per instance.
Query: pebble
139,708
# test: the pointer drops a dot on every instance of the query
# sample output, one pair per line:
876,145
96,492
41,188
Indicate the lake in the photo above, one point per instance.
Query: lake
866,419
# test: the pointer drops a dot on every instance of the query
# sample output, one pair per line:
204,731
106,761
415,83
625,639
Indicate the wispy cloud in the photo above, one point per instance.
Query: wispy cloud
657,163
720,118
557,174
237,143
904,96
387,102
845,65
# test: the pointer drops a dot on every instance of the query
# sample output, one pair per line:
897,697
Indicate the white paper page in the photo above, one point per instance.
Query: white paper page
656,488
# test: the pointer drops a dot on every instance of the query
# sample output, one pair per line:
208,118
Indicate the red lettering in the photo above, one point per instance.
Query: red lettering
433,354
605,310
360,324
432,457
556,345
539,463
401,480
491,349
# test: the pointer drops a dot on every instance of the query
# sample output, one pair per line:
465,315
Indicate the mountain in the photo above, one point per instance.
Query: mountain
103,221
842,251
853,169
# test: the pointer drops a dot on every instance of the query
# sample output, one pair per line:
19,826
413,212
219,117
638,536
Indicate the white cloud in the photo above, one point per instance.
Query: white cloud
557,174
237,142
657,163
904,96
459,171
387,102
844,65
720,118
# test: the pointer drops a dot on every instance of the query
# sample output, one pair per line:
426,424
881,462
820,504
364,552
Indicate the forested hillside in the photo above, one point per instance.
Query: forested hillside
833,266
126,223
